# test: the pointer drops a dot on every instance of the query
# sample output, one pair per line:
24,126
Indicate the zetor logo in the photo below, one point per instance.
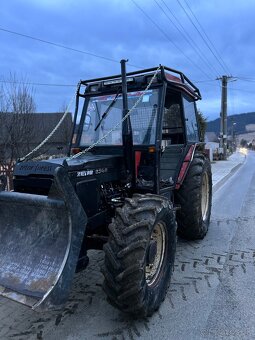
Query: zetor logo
92,172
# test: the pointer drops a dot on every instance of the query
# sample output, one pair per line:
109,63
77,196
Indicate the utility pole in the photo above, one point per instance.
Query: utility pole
223,115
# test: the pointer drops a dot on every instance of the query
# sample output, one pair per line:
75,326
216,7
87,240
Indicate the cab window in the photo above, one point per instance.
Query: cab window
172,129
190,119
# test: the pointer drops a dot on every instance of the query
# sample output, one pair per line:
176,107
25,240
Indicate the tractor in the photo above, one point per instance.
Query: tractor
135,177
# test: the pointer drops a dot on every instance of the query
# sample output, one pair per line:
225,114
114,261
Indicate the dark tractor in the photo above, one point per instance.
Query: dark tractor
136,172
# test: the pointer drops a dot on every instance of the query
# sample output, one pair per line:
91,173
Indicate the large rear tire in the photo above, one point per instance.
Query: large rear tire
139,255
195,199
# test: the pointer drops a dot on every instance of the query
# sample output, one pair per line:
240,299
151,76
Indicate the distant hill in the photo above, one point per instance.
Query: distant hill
245,122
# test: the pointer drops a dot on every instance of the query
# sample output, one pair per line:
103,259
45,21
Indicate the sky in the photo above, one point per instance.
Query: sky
203,39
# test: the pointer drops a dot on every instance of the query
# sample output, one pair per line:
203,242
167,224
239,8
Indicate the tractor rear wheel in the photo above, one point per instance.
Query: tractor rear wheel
195,199
139,255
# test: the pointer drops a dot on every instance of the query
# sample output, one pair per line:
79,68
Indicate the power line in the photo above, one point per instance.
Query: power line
232,99
167,37
206,35
233,89
204,40
36,84
74,85
251,80
186,35
204,81
242,90
63,46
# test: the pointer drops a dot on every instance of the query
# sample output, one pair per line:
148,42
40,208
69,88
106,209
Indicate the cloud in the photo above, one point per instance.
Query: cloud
118,29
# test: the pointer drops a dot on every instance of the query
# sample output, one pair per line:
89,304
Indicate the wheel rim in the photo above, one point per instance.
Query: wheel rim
153,270
205,196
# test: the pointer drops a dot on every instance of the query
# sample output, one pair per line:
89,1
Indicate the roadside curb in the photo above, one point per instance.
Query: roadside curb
219,184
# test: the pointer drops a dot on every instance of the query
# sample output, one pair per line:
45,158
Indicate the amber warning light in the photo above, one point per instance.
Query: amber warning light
75,151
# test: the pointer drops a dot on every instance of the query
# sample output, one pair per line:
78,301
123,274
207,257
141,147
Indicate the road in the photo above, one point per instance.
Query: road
211,295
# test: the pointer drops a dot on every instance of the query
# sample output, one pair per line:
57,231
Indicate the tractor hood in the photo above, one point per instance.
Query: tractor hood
87,164
36,177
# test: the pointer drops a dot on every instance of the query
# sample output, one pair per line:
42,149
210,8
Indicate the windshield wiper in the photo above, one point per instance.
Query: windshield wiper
108,109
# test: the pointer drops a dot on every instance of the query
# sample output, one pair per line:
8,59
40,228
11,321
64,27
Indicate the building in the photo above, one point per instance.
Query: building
21,133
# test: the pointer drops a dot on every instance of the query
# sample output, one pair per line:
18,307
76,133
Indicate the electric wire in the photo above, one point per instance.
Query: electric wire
204,81
206,35
242,90
36,84
233,89
63,46
74,85
211,48
116,61
249,80
200,34
168,38
186,36
232,99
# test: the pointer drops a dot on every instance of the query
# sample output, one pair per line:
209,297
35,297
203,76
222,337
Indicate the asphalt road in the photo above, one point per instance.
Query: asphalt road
211,295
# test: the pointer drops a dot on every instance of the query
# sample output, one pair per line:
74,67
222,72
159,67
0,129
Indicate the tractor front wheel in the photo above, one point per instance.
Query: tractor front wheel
139,255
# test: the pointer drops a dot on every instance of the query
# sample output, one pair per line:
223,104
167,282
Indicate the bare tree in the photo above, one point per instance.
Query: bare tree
17,128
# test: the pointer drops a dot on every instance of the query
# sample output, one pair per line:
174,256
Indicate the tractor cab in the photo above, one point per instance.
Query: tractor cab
161,127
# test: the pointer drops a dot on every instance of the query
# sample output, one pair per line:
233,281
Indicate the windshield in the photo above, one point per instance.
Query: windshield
105,112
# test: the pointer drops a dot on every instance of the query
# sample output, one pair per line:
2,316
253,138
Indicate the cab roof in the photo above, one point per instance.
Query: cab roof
173,77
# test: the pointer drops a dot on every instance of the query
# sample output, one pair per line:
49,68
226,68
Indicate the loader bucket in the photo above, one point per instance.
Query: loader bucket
40,241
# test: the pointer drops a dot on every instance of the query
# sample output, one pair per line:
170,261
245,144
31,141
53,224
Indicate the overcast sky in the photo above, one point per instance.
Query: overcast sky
139,30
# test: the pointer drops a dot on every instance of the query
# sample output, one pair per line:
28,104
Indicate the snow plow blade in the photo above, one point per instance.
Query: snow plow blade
40,241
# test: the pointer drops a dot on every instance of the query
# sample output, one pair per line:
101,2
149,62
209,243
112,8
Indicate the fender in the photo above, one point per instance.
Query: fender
185,165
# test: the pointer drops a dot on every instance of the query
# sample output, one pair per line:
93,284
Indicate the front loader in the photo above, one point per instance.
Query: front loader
135,174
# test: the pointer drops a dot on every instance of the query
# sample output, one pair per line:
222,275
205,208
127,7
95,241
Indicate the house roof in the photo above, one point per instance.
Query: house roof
36,127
